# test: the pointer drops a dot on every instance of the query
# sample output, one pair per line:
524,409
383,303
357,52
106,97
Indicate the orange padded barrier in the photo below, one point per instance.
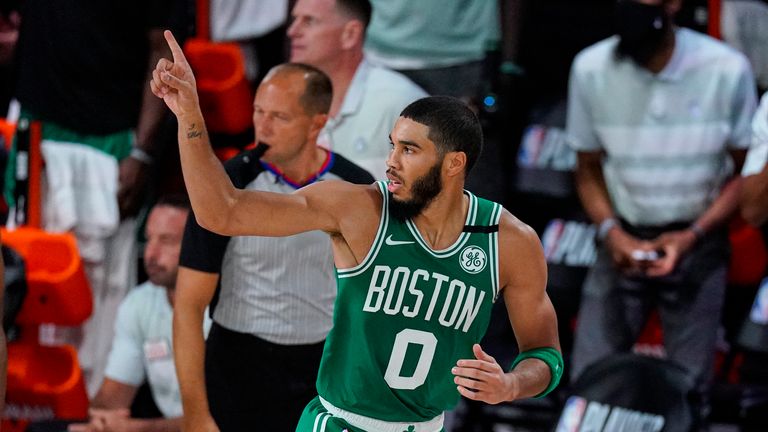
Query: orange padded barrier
57,289
224,91
46,382
7,129
43,383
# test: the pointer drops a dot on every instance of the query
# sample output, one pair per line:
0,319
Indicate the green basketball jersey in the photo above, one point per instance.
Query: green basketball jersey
406,314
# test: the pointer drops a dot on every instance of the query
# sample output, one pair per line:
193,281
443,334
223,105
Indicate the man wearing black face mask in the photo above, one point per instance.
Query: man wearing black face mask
643,29
660,119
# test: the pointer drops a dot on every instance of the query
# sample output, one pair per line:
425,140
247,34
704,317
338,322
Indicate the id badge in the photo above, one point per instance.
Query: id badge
160,368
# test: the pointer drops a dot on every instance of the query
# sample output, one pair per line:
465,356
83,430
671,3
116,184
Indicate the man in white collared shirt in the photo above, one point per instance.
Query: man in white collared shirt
660,119
367,99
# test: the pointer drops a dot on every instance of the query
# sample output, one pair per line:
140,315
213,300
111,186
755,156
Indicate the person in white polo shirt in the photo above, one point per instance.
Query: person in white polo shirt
142,348
660,117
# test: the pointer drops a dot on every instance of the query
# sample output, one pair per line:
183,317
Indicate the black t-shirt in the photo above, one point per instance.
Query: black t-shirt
82,63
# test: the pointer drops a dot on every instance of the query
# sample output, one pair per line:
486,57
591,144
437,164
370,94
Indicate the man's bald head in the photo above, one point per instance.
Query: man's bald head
318,90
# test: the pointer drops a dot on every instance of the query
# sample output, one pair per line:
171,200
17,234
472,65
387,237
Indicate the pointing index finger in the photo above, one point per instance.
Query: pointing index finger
178,54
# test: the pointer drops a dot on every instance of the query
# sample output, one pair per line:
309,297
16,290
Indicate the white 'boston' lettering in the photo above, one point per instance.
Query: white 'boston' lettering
398,290
405,273
449,298
438,285
412,312
377,288
470,309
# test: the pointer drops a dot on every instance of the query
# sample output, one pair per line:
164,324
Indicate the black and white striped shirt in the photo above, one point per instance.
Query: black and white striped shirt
280,289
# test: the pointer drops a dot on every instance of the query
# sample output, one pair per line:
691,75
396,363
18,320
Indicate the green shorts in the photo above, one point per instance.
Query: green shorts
316,418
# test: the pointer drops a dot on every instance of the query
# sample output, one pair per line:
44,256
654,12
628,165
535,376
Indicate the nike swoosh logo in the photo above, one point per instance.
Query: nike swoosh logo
391,242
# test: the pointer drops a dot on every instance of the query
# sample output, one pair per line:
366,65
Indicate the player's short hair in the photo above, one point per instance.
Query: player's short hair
318,90
452,125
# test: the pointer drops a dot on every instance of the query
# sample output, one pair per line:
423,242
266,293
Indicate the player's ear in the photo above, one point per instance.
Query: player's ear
454,163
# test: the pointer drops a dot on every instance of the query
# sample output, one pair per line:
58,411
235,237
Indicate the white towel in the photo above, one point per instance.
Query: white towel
81,195
233,20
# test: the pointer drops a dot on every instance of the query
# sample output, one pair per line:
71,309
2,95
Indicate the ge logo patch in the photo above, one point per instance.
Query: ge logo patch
473,259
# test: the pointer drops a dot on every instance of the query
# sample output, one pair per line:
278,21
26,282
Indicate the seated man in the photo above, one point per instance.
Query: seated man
143,327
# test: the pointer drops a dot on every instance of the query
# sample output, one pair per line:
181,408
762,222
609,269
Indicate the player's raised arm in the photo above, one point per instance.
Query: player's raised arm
217,204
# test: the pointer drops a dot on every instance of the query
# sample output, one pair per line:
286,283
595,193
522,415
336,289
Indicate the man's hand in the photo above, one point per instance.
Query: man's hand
483,379
174,82
622,245
105,420
675,244
132,179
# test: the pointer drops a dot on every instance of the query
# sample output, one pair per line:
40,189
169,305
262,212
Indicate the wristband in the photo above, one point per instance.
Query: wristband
605,226
141,156
552,358
698,231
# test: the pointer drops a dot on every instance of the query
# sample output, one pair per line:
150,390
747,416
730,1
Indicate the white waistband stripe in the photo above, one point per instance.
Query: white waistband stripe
371,424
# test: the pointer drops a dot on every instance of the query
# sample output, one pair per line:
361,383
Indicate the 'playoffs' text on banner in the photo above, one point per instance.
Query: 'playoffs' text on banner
580,415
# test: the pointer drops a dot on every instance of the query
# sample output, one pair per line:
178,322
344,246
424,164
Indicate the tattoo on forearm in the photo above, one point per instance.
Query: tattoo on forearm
193,133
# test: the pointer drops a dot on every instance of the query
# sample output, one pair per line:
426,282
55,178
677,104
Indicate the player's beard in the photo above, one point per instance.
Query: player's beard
423,191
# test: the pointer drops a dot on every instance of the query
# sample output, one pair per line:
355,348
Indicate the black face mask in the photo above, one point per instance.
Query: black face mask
641,29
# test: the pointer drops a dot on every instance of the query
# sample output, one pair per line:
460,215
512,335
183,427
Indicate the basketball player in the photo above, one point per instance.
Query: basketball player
419,261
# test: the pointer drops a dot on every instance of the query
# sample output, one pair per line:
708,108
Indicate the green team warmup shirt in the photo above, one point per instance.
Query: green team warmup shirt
406,314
